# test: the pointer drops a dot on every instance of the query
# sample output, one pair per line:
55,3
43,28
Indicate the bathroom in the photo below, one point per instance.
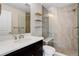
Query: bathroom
33,29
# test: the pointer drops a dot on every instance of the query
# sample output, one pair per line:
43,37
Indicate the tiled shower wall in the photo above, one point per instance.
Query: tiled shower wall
36,27
78,25
45,23
39,28
64,24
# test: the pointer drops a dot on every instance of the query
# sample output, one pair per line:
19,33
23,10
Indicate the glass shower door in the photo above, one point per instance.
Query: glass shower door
21,24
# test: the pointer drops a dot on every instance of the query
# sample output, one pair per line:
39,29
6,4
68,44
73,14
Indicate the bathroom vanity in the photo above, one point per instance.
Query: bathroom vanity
23,46
29,46
31,50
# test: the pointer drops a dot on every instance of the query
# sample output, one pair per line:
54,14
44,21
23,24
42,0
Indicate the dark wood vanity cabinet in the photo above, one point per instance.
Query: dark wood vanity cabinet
31,50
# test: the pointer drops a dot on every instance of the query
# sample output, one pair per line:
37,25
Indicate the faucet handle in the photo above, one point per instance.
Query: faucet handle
21,36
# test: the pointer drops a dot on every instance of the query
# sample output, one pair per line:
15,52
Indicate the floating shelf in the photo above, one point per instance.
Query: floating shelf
38,27
38,14
38,20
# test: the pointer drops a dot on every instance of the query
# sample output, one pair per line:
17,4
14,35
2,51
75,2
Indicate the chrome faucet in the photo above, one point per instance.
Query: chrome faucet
21,36
15,37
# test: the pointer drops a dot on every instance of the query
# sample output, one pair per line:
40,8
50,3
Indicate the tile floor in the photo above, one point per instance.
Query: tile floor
59,54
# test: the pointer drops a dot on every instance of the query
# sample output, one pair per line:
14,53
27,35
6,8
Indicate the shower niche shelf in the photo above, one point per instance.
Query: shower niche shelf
38,20
38,26
38,14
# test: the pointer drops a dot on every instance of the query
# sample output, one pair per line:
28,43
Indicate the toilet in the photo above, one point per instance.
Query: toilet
48,50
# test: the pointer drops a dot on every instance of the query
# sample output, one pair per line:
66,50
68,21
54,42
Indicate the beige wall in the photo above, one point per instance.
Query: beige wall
15,14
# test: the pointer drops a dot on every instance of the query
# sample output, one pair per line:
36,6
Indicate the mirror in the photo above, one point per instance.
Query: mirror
15,18
24,23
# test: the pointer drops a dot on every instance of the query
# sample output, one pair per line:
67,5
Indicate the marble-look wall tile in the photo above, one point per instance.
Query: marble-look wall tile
64,28
45,23
36,8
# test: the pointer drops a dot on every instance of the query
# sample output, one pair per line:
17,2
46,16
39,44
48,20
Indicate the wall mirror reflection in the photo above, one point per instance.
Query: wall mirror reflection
14,18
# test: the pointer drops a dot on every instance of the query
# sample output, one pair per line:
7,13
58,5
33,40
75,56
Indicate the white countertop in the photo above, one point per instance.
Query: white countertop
9,46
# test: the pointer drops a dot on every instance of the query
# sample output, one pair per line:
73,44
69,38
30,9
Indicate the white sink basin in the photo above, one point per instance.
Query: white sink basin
9,45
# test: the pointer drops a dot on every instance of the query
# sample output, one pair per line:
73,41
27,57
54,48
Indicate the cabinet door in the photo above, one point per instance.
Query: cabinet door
31,50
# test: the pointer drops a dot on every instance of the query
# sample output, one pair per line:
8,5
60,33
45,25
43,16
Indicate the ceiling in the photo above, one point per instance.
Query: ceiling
26,7
22,6
50,5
